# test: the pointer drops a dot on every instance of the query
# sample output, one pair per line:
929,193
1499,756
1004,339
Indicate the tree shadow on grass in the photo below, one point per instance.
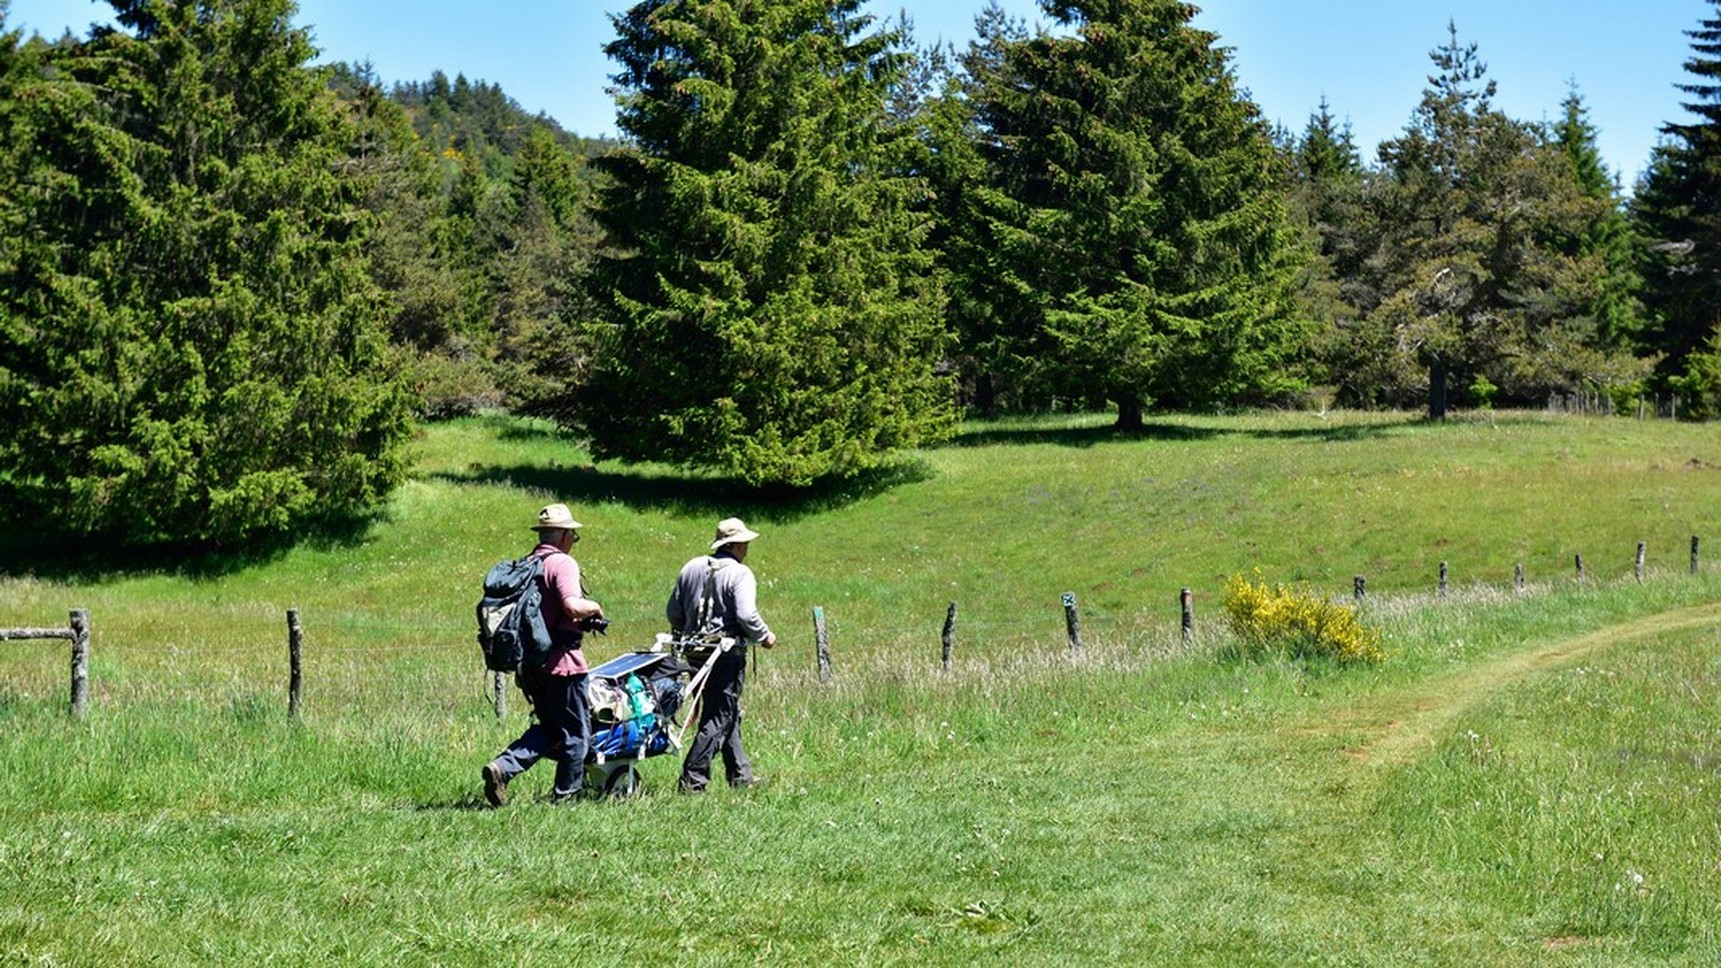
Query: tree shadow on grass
1166,431
27,551
1078,436
1333,432
695,494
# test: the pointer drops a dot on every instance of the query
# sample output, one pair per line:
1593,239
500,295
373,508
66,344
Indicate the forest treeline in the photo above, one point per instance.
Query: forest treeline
232,278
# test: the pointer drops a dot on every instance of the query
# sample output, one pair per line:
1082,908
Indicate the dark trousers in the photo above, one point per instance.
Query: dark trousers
562,730
719,726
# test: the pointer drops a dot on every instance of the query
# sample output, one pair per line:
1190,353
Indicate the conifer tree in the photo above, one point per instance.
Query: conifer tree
426,277
1326,182
1477,273
1677,208
766,304
1606,233
190,348
1142,251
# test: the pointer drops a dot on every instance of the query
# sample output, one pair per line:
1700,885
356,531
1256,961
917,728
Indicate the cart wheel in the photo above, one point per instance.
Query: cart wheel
597,781
623,784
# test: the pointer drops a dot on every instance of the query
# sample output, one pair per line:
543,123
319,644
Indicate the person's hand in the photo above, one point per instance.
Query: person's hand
769,640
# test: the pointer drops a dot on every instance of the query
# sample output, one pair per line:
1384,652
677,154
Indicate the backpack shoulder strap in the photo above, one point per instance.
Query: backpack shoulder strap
708,597
544,578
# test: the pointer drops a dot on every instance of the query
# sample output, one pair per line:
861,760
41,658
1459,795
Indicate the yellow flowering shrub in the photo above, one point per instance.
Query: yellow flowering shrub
1268,619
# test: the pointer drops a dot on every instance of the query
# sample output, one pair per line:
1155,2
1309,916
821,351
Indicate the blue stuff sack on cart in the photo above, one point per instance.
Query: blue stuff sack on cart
632,738
622,739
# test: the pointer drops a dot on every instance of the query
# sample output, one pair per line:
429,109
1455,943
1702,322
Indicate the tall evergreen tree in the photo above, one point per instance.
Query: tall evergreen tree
956,171
1141,251
1474,273
766,305
429,280
1677,208
1327,168
1326,182
190,348
547,242
1606,233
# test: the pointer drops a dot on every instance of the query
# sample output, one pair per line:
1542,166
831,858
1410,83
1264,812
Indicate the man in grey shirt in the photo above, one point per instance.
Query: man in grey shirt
716,594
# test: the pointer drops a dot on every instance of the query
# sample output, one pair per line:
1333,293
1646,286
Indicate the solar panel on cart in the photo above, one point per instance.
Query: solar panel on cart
627,662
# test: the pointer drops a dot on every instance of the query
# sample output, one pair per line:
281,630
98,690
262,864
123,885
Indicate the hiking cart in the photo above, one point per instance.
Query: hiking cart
634,700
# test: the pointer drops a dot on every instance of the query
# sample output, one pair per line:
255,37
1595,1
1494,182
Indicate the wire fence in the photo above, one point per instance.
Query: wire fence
393,659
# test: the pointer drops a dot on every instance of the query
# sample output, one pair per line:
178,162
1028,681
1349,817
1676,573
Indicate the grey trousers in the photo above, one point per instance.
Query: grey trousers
719,727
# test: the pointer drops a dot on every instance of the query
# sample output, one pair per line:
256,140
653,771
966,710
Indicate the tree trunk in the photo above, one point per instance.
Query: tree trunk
1129,414
985,396
1437,388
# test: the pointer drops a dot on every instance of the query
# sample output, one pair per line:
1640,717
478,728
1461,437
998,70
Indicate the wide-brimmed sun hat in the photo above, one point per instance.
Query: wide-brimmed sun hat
732,531
556,517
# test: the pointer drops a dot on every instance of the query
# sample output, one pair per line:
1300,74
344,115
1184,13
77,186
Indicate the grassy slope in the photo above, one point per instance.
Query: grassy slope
1542,802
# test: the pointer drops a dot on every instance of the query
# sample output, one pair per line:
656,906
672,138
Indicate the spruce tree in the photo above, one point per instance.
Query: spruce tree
1677,208
1141,252
1602,230
190,348
1324,191
766,304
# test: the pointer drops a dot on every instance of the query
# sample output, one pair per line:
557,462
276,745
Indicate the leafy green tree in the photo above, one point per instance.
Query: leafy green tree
766,304
1677,208
190,347
1142,253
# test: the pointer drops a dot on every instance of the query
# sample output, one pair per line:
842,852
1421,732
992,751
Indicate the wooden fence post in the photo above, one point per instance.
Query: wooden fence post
1187,600
1359,588
948,638
80,619
1694,554
1518,578
1579,560
1072,623
821,643
501,698
1443,579
295,662
1640,561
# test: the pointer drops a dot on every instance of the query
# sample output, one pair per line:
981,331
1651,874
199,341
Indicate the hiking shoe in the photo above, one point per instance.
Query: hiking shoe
751,783
495,785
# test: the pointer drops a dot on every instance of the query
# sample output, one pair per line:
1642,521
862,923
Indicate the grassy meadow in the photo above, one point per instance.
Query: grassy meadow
1529,779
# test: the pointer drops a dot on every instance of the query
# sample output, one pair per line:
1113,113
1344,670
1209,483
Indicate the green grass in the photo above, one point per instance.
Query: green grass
1526,781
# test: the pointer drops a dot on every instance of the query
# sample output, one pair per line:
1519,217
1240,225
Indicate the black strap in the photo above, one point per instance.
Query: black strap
708,599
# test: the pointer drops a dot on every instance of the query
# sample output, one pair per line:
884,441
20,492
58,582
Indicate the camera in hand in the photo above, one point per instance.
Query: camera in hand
596,623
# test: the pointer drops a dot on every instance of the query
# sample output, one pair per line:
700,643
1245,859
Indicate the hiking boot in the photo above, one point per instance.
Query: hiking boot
495,785
751,783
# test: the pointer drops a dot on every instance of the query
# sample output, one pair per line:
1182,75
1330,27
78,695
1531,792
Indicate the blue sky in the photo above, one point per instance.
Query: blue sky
1368,58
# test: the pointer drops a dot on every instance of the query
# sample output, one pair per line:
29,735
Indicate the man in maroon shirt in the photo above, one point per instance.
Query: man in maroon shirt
557,688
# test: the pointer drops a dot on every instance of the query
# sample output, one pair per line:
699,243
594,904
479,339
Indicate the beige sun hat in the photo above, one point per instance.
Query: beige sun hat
556,517
732,531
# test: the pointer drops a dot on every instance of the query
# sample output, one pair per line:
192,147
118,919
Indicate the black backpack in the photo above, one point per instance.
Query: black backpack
511,628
